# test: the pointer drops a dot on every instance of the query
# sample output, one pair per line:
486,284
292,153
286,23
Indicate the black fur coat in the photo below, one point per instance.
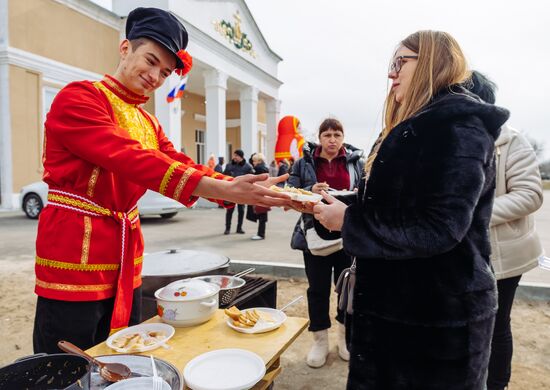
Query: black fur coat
419,227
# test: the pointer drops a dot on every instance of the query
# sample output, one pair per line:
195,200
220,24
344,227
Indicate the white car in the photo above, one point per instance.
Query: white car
34,197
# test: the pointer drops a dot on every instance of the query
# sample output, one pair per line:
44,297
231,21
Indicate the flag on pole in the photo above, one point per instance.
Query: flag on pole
177,91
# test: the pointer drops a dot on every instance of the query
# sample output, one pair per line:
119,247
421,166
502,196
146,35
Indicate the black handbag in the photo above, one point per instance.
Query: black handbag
250,214
298,240
344,288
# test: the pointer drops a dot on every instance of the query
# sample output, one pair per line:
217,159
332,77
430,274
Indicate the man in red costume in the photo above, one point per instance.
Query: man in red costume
102,151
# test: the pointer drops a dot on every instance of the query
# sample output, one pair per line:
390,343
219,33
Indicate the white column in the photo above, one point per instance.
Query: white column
6,171
249,120
273,111
215,84
169,114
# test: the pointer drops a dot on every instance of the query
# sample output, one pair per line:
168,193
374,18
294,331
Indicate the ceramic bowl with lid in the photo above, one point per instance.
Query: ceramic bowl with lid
187,302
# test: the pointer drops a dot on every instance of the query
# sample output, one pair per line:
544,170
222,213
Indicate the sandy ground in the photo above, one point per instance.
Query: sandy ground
531,322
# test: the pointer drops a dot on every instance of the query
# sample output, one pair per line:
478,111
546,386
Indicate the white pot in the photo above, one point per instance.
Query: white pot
187,302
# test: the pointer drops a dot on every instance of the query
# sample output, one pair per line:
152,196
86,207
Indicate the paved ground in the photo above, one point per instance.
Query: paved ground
202,229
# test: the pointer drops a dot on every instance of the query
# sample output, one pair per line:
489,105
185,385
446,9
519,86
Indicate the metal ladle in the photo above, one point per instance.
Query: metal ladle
112,372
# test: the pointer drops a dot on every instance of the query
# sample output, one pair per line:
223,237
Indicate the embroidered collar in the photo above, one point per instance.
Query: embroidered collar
122,92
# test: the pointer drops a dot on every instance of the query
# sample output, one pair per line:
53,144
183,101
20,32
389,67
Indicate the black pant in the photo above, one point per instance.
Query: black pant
500,363
319,272
84,324
229,216
262,221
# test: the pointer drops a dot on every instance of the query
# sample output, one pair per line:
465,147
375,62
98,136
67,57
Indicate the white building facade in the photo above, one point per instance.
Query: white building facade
231,100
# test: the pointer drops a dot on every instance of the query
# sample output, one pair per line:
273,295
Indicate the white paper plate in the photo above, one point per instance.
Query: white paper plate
341,193
303,197
261,326
224,369
167,329
145,383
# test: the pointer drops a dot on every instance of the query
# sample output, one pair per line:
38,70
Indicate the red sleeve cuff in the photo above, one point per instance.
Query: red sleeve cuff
180,181
182,184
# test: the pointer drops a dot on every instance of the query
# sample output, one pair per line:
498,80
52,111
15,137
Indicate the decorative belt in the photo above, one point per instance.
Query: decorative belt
125,284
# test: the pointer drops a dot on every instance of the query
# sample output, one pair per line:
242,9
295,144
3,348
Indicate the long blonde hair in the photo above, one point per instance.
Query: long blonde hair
441,64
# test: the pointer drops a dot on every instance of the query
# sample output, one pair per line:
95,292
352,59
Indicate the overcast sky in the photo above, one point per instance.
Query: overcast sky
336,55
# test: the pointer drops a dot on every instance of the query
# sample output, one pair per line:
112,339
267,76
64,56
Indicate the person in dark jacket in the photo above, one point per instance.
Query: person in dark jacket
258,161
219,167
237,167
425,296
284,167
333,164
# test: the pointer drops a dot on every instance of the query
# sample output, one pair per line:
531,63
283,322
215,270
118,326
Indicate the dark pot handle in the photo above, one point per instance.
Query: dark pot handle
24,358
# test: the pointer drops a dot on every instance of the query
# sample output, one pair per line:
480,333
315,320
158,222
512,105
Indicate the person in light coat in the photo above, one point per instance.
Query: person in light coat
424,298
515,245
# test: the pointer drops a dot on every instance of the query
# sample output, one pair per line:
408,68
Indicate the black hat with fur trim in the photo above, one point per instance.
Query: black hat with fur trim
159,25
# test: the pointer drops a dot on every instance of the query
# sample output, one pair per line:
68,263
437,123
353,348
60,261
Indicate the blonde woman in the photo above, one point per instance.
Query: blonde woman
425,298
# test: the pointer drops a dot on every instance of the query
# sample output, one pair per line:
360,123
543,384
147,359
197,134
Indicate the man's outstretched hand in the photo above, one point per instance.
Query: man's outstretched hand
254,189
247,189
267,181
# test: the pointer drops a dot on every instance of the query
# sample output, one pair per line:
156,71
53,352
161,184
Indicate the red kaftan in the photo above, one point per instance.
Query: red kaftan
102,151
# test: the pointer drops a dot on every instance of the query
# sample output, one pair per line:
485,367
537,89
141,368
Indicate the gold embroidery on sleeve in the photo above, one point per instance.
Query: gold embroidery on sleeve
185,177
167,177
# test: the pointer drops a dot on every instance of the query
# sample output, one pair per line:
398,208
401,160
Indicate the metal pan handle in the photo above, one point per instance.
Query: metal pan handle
245,272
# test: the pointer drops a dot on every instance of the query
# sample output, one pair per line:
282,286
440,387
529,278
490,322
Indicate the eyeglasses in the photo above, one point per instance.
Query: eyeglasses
398,63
